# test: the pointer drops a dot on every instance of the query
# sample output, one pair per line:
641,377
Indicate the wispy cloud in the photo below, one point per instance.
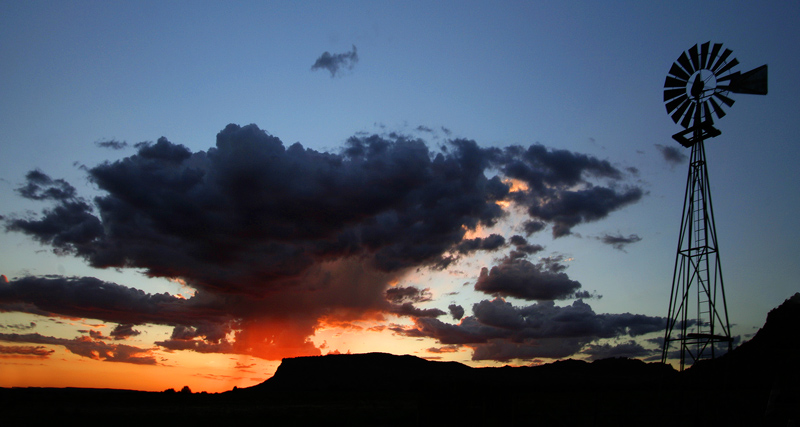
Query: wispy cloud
618,241
112,144
88,347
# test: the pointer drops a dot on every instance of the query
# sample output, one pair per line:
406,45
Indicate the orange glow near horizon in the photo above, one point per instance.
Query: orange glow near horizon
212,373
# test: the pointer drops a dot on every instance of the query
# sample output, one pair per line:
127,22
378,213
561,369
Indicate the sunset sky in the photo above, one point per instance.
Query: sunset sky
192,191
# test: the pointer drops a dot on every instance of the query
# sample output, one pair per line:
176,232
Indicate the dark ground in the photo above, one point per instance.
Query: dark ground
758,384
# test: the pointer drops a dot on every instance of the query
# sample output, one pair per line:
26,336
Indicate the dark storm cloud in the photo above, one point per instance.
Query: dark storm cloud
404,298
335,62
673,155
69,227
163,150
401,295
571,208
408,309
533,226
559,191
520,278
87,297
274,238
490,243
619,241
523,247
500,331
40,186
201,323
250,214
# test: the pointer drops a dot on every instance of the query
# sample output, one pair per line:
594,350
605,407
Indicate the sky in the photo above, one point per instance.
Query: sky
192,191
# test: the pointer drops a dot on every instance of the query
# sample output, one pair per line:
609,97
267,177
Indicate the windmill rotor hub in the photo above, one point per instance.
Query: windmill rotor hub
699,83
701,86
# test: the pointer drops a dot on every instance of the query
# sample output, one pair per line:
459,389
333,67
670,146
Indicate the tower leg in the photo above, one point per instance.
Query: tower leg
697,319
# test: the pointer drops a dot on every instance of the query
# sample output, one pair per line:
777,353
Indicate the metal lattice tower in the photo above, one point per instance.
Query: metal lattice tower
698,313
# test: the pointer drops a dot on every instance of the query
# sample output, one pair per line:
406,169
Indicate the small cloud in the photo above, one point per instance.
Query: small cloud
444,349
456,311
124,331
335,62
619,241
672,155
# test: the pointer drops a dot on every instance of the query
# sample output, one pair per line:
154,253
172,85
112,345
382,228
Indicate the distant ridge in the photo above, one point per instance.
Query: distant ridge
757,384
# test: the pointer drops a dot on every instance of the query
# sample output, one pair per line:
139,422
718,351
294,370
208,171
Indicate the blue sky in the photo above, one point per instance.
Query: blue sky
580,76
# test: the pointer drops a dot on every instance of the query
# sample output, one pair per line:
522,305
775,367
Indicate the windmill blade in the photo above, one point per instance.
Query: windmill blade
681,109
717,109
694,57
725,100
721,60
678,72
671,82
704,54
684,61
707,117
714,52
727,67
672,105
730,76
687,119
672,93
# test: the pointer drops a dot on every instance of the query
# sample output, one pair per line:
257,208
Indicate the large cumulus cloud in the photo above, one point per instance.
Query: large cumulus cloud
520,278
501,331
275,238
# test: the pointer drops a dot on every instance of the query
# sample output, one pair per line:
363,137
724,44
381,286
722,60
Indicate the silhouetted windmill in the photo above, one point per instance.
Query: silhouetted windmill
697,83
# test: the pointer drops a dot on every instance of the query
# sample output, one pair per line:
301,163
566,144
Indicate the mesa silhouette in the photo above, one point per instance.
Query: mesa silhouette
755,384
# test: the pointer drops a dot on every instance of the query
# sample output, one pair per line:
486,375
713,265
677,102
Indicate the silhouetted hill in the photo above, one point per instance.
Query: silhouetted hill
775,347
754,385
387,372
767,366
